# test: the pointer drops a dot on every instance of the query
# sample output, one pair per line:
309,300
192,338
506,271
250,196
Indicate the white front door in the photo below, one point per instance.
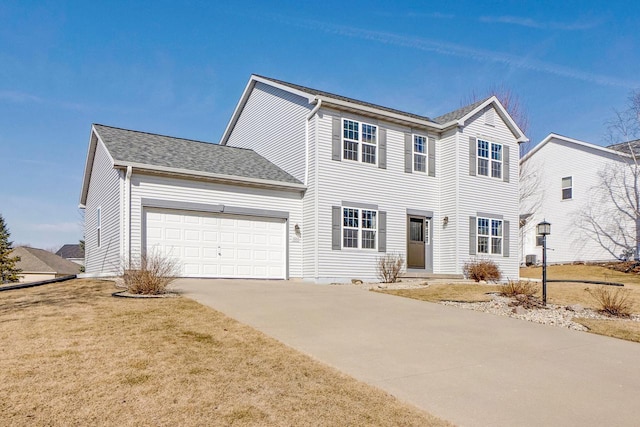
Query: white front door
218,245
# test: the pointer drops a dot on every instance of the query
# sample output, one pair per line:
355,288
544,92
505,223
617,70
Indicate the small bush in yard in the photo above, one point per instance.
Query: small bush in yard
482,269
612,300
518,287
389,267
150,275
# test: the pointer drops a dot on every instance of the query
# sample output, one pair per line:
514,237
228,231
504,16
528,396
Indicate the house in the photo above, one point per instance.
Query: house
38,264
308,184
571,198
72,252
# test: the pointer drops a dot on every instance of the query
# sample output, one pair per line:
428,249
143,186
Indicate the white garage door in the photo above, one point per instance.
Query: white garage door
218,245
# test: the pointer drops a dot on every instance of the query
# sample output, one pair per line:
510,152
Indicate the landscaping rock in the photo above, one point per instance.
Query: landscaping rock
356,282
576,308
520,310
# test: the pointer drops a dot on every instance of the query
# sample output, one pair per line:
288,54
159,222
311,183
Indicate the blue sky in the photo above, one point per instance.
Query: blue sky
178,68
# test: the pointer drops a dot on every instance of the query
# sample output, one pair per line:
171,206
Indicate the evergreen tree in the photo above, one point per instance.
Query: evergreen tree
8,270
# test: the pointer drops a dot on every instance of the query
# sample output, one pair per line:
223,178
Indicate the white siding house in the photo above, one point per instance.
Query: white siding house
365,196
312,185
567,173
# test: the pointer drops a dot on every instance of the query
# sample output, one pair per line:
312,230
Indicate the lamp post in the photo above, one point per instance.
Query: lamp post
544,229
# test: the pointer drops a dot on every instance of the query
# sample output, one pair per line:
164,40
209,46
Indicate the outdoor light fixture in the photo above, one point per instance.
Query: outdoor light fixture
445,221
296,229
544,229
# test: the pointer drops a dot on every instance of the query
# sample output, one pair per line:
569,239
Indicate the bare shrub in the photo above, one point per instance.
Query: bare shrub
612,300
389,267
482,269
518,287
150,275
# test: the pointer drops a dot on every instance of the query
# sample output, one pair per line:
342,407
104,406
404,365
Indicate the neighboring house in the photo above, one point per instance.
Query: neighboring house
568,171
72,252
38,264
308,184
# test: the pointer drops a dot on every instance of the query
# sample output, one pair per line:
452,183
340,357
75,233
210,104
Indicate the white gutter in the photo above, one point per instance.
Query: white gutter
306,139
232,179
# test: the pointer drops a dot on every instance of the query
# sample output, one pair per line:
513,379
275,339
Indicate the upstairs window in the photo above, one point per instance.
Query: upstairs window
489,236
567,188
419,153
489,159
359,141
359,228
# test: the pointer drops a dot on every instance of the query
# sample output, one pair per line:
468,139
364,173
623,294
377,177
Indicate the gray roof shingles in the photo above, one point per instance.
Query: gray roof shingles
195,156
445,118
33,260
459,113
71,251
626,147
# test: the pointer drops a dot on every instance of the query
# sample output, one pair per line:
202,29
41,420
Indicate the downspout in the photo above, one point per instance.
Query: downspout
311,114
127,214
315,109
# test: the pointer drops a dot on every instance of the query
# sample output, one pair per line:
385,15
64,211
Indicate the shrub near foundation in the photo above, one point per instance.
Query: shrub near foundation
150,275
389,267
482,270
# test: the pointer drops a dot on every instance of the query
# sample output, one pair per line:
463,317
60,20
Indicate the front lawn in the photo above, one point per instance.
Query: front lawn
74,355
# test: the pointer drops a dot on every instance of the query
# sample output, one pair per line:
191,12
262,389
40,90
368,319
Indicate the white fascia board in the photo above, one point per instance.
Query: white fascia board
552,136
515,129
245,97
88,167
378,112
230,179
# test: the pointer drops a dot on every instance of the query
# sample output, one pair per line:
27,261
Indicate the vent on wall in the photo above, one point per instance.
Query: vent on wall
489,117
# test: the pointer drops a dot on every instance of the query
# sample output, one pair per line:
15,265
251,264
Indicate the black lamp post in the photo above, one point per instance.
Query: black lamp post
544,229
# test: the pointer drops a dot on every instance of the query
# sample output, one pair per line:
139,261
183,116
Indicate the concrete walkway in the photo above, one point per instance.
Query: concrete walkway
471,368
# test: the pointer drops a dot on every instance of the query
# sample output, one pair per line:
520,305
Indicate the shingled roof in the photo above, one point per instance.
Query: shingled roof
71,251
445,118
134,147
626,147
459,113
33,260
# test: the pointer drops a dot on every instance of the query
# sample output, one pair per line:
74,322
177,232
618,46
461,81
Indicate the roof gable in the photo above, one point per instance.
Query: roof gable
576,143
445,121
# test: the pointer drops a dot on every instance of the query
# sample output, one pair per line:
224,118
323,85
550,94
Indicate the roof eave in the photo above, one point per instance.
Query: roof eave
328,101
572,141
231,179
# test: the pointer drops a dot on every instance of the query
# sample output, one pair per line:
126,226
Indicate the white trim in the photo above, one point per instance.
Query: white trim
552,136
490,236
489,159
360,229
425,154
504,115
360,142
233,179
99,226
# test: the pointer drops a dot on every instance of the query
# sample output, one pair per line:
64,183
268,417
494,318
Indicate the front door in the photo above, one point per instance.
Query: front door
416,241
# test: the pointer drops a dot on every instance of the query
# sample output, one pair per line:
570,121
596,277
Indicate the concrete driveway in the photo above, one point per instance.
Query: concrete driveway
471,368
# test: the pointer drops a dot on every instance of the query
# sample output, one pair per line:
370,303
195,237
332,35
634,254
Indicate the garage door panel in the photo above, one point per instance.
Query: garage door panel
218,245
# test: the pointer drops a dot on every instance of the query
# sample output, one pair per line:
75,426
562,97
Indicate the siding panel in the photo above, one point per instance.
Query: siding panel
104,192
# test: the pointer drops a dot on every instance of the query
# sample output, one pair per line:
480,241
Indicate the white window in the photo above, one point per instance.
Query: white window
419,153
98,225
359,141
567,188
489,159
489,236
359,228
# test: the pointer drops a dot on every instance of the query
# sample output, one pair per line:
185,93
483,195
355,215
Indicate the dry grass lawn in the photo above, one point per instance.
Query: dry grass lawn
72,354
562,293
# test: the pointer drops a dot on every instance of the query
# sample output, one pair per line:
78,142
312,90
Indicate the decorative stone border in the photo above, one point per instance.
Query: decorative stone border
126,294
